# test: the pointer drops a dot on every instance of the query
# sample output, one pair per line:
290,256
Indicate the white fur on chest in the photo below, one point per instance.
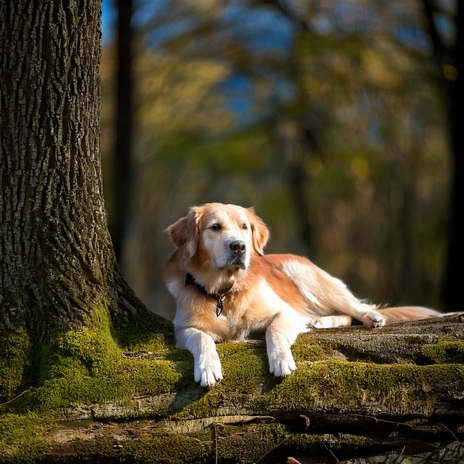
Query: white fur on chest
246,315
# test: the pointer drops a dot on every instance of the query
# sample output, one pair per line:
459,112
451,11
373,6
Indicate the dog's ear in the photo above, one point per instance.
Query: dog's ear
259,231
184,233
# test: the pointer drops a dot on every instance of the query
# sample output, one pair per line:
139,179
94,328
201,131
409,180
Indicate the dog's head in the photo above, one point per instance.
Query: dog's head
225,236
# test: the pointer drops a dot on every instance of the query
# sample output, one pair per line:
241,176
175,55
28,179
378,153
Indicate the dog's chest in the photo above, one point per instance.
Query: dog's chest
232,324
238,320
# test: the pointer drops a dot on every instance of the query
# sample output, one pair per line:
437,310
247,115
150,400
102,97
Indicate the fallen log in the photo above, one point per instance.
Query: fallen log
356,393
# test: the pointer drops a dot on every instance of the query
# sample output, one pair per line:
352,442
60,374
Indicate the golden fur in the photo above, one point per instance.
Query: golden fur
225,288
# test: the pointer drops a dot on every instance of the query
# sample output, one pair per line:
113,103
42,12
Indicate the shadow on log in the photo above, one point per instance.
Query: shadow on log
356,393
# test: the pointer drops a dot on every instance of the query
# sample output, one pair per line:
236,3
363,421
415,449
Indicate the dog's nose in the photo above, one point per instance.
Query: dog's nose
237,245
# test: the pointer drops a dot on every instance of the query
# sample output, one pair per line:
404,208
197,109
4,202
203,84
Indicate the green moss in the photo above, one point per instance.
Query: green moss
304,443
85,365
145,331
206,405
445,351
22,437
241,443
246,373
244,366
157,447
166,448
247,444
324,385
89,365
14,362
339,386
307,349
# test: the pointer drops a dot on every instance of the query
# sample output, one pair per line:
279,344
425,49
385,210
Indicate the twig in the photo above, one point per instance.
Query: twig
400,456
306,419
216,449
16,397
215,444
331,452
448,430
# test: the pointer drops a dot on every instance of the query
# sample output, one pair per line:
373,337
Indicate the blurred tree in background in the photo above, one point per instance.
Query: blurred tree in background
324,115
123,160
445,26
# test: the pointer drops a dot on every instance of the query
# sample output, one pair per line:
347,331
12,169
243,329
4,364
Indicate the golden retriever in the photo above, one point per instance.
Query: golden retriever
225,288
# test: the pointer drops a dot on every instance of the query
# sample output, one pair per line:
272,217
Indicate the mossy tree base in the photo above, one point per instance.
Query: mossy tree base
119,395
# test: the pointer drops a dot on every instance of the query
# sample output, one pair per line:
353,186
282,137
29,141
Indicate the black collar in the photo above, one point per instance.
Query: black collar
219,297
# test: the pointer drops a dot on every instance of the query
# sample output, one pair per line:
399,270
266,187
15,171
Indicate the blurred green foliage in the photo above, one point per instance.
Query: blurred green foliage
230,95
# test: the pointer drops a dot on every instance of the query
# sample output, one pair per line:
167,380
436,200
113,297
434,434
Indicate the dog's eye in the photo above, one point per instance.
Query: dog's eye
244,226
216,226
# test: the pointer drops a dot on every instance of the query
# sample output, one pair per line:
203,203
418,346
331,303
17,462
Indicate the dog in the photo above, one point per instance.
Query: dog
225,288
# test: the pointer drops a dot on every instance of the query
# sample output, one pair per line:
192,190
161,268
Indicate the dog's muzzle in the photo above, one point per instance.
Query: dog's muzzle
237,254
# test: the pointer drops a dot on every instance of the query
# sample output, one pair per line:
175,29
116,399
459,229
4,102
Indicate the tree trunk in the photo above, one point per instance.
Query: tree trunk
123,158
55,246
298,144
449,61
57,264
452,281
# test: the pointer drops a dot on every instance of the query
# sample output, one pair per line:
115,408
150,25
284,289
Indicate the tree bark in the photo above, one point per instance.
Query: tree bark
57,264
55,247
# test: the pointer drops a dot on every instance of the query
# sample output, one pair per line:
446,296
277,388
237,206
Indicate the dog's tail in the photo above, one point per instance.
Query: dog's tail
407,313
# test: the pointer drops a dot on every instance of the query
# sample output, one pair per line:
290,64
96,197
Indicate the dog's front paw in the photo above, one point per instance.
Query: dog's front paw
373,319
281,364
208,370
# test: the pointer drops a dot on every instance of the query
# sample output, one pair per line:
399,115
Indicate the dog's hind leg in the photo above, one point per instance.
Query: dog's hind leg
326,295
329,322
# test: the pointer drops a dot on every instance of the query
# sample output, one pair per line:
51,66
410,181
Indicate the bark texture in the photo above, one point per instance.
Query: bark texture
57,264
56,256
